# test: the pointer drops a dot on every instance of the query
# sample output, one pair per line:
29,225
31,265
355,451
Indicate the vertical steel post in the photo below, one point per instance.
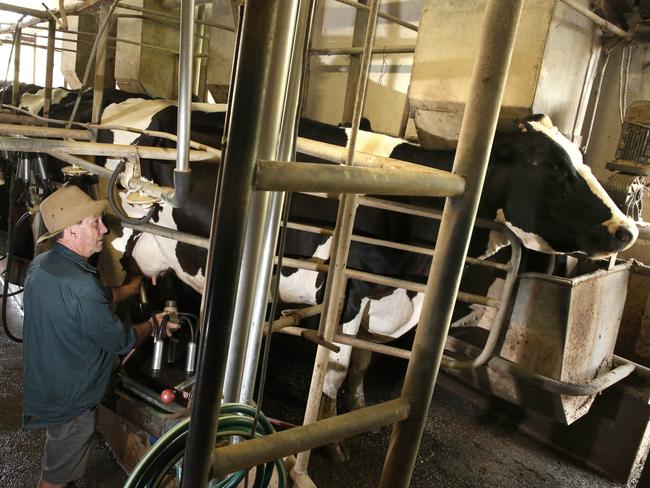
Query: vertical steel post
286,152
259,246
100,65
498,32
49,67
260,79
185,61
341,245
15,99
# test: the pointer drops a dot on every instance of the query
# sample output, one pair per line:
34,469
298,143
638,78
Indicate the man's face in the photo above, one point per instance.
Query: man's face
89,235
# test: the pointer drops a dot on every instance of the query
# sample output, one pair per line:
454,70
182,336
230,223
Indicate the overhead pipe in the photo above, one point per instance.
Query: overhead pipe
182,172
498,31
598,20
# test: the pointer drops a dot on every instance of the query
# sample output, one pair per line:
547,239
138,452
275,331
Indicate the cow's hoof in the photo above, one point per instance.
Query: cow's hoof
335,452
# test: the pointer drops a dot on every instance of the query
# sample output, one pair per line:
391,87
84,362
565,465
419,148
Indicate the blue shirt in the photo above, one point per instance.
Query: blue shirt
70,338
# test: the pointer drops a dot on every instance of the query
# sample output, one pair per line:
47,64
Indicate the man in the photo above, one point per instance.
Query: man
71,335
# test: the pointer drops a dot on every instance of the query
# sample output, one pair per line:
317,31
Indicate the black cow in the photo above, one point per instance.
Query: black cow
537,185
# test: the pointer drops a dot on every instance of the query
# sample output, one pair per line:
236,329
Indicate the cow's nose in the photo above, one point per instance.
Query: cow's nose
623,235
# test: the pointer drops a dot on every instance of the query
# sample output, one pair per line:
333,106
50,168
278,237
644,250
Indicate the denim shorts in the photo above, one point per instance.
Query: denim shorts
66,449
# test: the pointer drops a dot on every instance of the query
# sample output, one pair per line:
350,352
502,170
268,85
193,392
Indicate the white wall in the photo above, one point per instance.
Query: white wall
389,74
32,60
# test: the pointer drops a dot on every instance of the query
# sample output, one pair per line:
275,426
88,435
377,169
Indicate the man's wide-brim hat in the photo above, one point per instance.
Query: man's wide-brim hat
67,206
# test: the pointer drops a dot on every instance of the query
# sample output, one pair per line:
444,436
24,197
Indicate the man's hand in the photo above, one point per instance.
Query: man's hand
170,326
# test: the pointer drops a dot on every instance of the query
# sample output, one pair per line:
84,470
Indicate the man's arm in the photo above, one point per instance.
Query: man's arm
127,290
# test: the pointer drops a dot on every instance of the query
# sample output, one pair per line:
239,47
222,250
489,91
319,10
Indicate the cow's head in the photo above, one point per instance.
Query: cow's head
542,190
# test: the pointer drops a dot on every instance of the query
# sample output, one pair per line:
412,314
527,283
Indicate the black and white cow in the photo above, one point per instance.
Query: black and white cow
537,185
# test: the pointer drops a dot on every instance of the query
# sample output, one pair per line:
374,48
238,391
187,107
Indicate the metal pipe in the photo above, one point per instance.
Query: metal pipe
16,82
256,85
335,284
263,449
428,251
49,68
100,149
75,8
583,388
174,18
41,14
351,341
389,17
337,51
498,30
182,172
337,154
100,65
386,280
286,151
596,19
31,131
173,234
260,240
502,317
314,177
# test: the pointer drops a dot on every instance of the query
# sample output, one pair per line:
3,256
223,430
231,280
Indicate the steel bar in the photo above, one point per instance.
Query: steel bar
274,202
266,209
173,234
622,368
174,18
186,46
389,17
113,38
352,341
596,19
99,149
100,65
33,131
583,388
387,281
337,154
261,73
337,51
82,163
498,30
16,82
75,8
335,284
639,370
644,230
314,177
293,317
502,318
428,251
41,14
49,68
354,68
263,449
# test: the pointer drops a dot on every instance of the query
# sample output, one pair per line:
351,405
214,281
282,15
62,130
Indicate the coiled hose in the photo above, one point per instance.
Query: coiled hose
5,286
236,419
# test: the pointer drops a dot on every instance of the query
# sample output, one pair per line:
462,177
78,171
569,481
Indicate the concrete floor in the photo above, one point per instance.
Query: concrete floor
462,446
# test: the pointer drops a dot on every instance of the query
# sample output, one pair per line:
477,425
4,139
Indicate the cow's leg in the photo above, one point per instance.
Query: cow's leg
337,369
359,362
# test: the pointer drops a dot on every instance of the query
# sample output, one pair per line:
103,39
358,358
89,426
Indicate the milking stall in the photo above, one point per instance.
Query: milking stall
403,241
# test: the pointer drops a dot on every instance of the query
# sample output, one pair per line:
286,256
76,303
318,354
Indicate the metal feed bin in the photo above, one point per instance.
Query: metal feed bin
564,329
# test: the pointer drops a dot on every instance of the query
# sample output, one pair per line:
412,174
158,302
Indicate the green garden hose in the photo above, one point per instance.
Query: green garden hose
236,419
